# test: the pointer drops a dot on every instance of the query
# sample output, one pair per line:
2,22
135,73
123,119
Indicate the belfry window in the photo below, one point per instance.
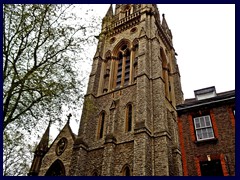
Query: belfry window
122,76
122,65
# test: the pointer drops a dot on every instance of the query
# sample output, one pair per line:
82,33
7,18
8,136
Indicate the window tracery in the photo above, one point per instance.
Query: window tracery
119,66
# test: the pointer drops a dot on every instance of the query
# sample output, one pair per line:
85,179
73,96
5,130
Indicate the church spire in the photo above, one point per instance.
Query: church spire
109,12
43,144
165,26
164,22
39,153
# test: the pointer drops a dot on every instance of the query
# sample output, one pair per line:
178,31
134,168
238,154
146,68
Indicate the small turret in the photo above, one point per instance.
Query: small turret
39,153
109,12
43,144
108,17
165,26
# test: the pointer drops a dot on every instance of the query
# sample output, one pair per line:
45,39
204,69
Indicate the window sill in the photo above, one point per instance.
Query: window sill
207,141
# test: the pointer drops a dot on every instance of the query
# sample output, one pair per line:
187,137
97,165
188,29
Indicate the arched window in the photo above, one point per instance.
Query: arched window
129,118
56,169
126,171
95,173
123,67
127,11
101,125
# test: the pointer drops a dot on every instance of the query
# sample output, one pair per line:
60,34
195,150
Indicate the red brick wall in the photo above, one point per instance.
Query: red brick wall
230,111
193,152
191,127
214,123
181,139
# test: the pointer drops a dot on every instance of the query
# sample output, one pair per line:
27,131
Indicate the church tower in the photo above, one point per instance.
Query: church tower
129,120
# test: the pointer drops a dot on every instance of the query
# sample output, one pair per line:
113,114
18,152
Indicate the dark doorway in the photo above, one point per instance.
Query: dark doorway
211,168
56,169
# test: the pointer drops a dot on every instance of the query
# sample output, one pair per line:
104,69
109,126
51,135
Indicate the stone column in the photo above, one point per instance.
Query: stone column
108,155
177,158
161,165
142,165
101,81
109,145
79,158
112,70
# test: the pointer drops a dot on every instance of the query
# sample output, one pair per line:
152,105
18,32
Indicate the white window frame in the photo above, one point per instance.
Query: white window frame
203,128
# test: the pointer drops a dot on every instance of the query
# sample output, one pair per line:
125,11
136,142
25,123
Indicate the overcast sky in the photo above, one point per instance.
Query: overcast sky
204,39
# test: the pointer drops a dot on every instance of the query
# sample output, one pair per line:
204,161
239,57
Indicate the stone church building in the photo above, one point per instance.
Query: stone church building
129,120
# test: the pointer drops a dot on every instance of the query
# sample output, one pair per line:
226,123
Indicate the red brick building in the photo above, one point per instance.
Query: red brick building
207,133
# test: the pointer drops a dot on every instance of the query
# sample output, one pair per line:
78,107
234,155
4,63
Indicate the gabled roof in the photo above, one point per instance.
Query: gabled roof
68,128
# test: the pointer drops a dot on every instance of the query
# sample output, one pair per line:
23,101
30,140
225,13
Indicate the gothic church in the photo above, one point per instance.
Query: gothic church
129,120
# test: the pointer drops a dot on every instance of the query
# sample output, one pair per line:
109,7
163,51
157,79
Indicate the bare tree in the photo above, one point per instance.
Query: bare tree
40,51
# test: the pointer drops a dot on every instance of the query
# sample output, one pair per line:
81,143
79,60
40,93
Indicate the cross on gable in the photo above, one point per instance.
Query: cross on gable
69,116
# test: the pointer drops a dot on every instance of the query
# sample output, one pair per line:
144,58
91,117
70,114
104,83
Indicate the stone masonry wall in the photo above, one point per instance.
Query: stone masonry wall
144,146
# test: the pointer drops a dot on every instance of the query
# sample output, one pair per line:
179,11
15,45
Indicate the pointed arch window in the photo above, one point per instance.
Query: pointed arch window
95,173
127,11
123,67
129,113
101,125
126,171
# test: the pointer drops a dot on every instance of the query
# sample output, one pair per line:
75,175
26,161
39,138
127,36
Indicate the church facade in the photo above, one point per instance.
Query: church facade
129,119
